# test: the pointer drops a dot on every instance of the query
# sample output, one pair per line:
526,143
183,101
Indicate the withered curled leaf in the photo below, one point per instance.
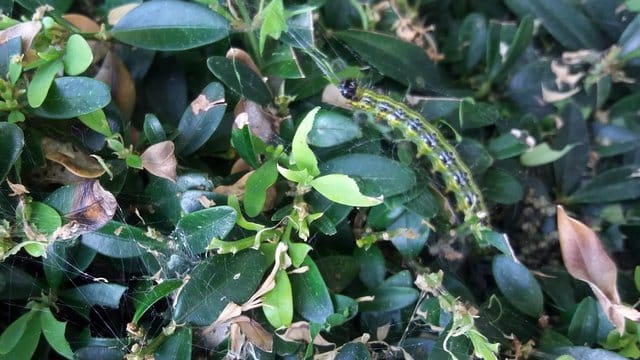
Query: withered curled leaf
159,159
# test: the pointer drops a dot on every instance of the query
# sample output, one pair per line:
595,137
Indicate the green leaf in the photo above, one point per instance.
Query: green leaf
25,345
257,185
390,298
310,294
543,154
409,234
616,184
145,299
506,146
176,346
14,332
273,22
278,303
41,82
583,328
298,252
200,120
134,161
241,139
477,114
521,40
301,155
195,230
518,285
353,350
501,187
96,121
331,129
118,240
153,130
215,282
569,169
63,263
11,144
73,96
343,190
45,218
53,330
564,21
101,294
170,26
78,55
240,79
338,271
372,266
397,59
473,36
376,175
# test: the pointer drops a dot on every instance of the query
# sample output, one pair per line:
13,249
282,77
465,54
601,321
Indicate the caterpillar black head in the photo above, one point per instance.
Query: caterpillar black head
349,89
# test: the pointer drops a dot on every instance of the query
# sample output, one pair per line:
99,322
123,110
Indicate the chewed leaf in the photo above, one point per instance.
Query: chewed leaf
586,260
344,190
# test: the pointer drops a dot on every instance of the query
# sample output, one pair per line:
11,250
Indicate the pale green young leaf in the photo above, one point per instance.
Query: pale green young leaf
41,82
542,154
53,331
273,23
343,190
96,121
78,55
301,154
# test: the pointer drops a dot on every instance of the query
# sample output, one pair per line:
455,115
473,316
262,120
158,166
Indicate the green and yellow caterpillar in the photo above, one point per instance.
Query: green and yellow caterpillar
442,156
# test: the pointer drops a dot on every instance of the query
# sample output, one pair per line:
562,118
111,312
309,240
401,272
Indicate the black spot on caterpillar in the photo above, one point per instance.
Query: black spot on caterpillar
430,143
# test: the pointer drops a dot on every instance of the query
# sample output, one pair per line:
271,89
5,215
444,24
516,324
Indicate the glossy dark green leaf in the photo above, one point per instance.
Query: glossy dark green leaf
521,39
215,282
144,300
332,213
576,33
569,168
372,266
400,279
587,353
376,175
177,346
630,39
338,271
197,229
583,328
614,140
200,119
354,350
170,25
283,64
409,234
117,240
163,203
11,144
241,140
64,262
506,146
153,130
310,294
345,309
72,96
101,294
8,49
331,129
518,285
477,114
258,183
17,284
501,187
390,298
616,184
240,79
473,36
401,61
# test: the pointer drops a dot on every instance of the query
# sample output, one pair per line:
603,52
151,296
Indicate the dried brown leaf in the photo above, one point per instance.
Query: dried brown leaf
73,159
255,333
299,331
551,96
236,188
586,259
261,123
118,12
160,160
114,73
91,208
26,31
243,57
